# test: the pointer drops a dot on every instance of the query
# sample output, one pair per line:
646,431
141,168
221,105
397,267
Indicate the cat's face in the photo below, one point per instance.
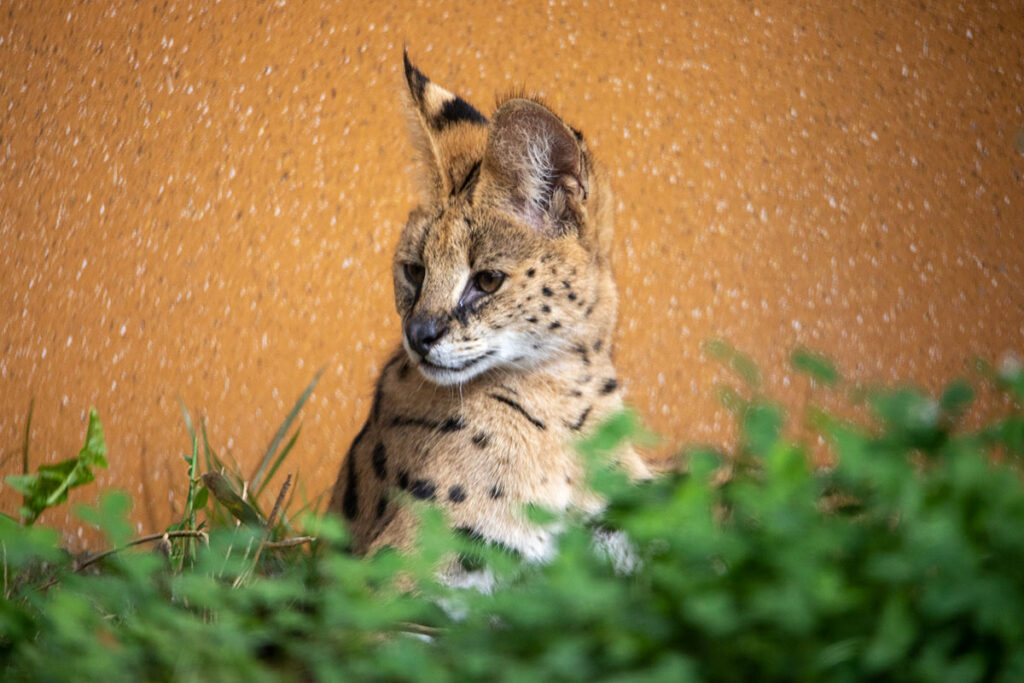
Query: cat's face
499,266
478,291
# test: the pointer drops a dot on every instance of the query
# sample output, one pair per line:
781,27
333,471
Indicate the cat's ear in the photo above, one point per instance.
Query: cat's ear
535,166
447,133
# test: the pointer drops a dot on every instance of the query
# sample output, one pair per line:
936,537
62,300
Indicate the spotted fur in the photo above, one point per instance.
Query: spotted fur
477,413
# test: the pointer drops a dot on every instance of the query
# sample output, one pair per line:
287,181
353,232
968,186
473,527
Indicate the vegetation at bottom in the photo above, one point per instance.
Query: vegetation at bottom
902,561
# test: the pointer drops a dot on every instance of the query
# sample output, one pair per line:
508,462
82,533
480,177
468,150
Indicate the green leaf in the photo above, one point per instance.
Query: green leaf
1011,374
731,399
894,636
202,496
613,431
22,483
256,481
817,365
51,483
221,489
910,417
956,399
761,427
738,362
94,452
110,516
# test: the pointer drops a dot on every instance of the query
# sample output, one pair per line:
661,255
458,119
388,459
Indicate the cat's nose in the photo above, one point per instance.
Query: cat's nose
423,333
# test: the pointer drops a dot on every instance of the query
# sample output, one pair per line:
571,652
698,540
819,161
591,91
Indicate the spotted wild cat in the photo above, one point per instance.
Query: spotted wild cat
503,283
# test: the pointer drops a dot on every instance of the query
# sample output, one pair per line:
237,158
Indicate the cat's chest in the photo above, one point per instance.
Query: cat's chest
508,440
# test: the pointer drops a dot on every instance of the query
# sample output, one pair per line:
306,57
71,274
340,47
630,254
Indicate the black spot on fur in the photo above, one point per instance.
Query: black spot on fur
545,309
457,110
456,494
496,492
519,409
382,505
403,480
380,461
575,393
423,489
453,424
555,325
566,285
350,503
404,421
481,440
546,291
609,386
572,296
531,319
578,425
531,272
598,344
582,350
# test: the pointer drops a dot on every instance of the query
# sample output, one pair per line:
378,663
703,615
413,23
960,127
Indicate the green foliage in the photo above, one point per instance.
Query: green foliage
735,360
902,562
49,486
818,366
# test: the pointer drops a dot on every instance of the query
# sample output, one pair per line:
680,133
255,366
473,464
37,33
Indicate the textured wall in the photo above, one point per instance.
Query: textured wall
201,202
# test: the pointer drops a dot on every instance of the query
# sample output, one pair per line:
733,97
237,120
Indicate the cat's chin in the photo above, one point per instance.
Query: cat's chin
459,374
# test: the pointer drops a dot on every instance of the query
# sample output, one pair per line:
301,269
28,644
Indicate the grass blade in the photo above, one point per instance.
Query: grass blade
209,455
268,457
188,419
24,448
280,459
28,432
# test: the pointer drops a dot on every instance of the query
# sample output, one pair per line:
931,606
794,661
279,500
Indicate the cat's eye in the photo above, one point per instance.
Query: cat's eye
414,273
488,281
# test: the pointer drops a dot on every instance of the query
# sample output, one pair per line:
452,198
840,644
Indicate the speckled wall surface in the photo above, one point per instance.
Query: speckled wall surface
200,201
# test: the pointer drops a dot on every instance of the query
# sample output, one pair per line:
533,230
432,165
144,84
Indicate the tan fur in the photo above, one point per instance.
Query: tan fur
518,195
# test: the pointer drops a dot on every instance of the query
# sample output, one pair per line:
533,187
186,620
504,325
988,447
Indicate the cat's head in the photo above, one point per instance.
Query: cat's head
505,262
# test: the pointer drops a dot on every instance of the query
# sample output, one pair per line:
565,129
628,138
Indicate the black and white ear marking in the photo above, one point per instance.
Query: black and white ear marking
447,131
536,166
437,107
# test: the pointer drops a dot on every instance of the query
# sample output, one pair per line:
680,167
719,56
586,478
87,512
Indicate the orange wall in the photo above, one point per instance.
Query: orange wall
202,203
